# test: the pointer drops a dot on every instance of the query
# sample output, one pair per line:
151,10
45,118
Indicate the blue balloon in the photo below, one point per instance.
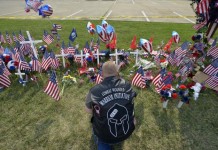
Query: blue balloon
45,10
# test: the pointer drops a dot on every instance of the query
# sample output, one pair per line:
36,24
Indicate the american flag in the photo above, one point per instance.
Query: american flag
36,65
4,79
182,49
15,39
172,58
213,50
77,59
200,25
99,77
52,87
86,48
64,49
47,38
54,60
16,54
46,61
8,38
2,39
139,78
57,26
71,50
21,37
157,82
5,69
203,8
212,68
23,65
213,81
96,46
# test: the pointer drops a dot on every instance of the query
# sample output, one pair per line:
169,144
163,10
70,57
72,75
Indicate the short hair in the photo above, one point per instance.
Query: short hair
109,69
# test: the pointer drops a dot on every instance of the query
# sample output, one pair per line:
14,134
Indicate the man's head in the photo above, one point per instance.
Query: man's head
109,69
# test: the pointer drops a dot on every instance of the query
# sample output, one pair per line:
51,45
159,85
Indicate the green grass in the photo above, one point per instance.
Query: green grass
29,119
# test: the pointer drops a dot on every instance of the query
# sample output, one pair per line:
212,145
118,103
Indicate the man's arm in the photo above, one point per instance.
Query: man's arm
88,104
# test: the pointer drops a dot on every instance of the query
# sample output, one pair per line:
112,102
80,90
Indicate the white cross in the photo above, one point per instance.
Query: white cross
137,53
20,74
81,56
32,43
98,54
62,55
116,55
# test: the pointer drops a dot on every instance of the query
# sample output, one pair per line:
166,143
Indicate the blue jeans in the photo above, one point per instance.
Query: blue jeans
101,145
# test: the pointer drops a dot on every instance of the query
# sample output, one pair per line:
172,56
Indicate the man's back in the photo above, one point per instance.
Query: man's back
113,110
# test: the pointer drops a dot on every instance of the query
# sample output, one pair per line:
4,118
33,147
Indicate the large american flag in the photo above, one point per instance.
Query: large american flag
8,38
202,8
4,79
52,87
46,61
212,68
47,38
21,37
36,65
2,39
213,81
213,50
99,77
139,78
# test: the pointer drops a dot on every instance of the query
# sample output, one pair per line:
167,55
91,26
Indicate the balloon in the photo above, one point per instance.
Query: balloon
104,24
12,65
45,10
176,37
91,28
146,45
102,33
110,32
32,4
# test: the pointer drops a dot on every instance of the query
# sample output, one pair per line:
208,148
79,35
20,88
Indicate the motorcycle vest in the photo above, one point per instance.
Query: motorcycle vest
113,110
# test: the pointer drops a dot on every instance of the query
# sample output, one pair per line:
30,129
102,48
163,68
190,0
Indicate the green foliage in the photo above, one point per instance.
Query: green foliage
30,119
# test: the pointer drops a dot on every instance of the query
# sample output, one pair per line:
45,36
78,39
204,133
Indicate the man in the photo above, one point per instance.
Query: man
112,107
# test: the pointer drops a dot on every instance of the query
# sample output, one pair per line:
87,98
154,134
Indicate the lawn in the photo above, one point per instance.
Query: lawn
30,119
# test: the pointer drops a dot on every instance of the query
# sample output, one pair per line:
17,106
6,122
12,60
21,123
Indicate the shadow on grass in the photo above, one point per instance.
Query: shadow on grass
164,119
41,128
199,122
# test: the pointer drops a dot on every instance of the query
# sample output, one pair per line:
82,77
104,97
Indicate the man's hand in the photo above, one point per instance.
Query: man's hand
88,110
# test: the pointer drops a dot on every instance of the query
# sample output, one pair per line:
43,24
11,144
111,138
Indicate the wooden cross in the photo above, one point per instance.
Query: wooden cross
116,55
32,42
137,53
62,55
81,56
99,54
20,74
